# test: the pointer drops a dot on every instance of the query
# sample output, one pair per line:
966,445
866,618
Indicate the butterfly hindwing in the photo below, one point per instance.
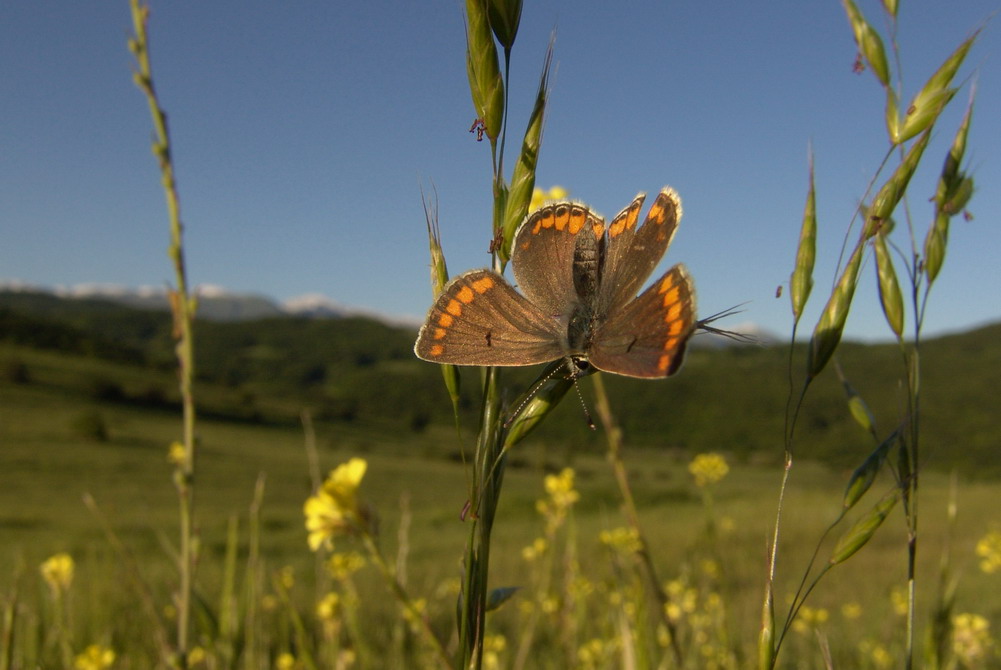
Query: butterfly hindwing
479,319
647,337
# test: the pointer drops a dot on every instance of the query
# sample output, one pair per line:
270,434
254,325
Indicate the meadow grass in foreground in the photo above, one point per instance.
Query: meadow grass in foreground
50,469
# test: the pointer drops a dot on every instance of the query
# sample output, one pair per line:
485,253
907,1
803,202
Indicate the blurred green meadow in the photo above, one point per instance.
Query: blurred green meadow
53,455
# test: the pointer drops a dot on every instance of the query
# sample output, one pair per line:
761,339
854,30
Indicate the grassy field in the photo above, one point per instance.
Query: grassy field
50,462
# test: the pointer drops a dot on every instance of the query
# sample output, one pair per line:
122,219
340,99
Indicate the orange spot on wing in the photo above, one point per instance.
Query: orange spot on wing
561,217
465,294
436,350
577,218
445,320
483,284
664,362
546,220
439,333
454,308
658,214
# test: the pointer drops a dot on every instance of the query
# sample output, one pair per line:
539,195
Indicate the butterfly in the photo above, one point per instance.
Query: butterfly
579,279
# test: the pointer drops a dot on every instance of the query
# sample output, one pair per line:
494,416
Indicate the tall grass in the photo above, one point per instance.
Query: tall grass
604,565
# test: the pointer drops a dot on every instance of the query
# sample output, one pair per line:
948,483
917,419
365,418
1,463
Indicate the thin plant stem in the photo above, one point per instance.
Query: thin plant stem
400,592
614,434
182,305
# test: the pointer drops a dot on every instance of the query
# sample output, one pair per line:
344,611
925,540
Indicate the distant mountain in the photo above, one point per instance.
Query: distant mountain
215,303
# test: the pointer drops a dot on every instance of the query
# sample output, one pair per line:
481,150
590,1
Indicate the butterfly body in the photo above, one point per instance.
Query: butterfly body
578,278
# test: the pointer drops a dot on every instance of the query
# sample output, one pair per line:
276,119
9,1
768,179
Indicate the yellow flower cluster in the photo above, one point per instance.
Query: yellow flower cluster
344,564
561,497
625,540
94,657
177,453
540,197
57,571
335,508
989,551
493,648
971,639
810,618
328,609
708,469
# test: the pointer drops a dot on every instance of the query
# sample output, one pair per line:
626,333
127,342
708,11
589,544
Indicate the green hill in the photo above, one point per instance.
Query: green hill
362,373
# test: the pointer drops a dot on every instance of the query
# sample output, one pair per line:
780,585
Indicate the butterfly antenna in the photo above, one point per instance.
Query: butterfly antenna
703,324
528,396
583,405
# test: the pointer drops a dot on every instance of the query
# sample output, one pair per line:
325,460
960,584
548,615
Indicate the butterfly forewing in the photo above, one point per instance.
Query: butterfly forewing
632,253
647,337
543,255
479,319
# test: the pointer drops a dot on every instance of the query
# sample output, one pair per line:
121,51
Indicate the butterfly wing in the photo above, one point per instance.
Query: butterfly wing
647,337
632,253
549,248
479,319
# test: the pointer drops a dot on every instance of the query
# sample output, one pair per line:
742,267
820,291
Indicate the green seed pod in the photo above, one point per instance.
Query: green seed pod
959,197
544,394
924,112
439,277
892,116
865,474
872,49
936,92
893,190
766,638
935,243
950,169
483,68
827,333
801,281
889,289
857,407
869,43
505,15
523,175
863,529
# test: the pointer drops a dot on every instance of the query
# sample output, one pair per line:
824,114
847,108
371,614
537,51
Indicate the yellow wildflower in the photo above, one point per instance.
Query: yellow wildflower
328,607
57,571
989,551
625,540
94,657
534,550
708,469
335,509
493,647
176,453
344,564
971,639
878,655
560,488
285,661
540,197
851,610
809,618
196,655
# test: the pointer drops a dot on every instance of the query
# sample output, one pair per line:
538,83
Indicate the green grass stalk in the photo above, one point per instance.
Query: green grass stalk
183,307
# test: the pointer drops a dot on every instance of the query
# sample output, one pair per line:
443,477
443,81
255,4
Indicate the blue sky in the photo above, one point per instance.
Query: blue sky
304,131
